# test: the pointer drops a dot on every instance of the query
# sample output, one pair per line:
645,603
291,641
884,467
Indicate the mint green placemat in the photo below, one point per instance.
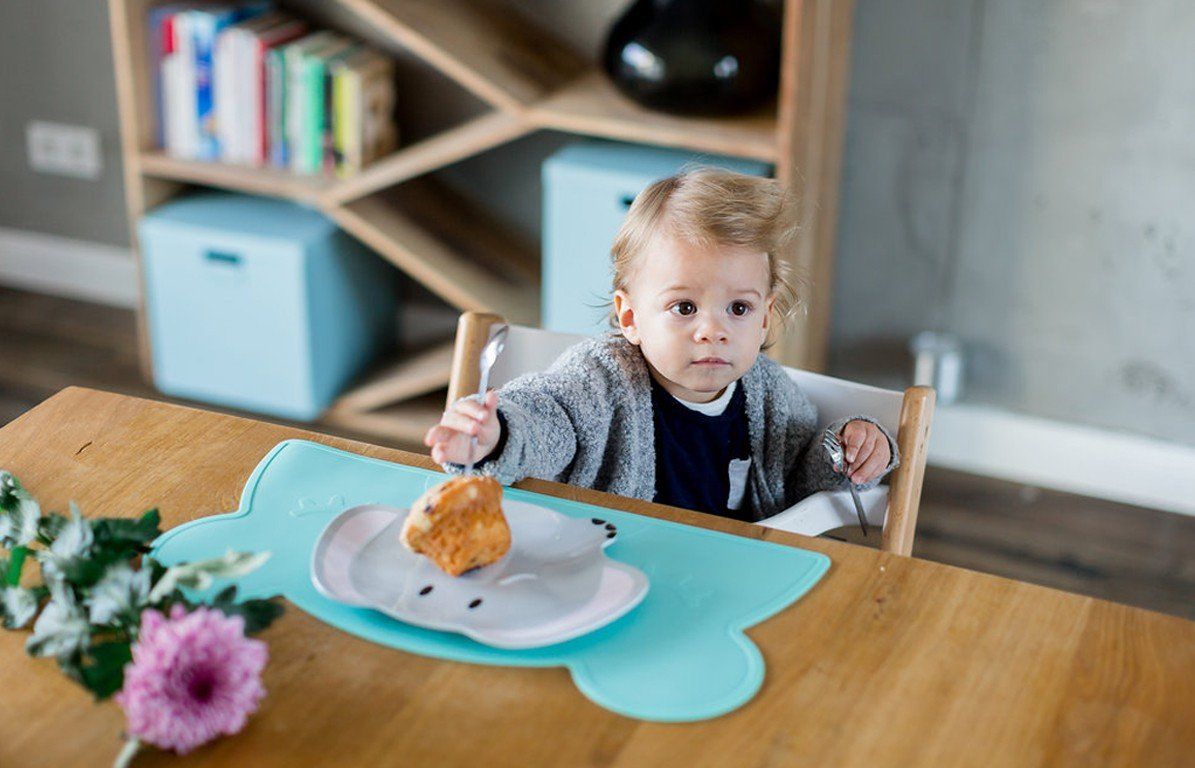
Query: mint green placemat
681,655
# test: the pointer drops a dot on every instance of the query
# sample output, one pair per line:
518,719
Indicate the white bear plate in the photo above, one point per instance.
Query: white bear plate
555,584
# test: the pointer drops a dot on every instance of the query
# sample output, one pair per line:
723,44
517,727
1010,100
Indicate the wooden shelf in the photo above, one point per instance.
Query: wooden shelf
405,423
531,81
412,375
592,106
493,52
240,178
459,254
465,140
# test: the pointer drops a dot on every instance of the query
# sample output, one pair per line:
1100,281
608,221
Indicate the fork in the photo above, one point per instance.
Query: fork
489,354
837,456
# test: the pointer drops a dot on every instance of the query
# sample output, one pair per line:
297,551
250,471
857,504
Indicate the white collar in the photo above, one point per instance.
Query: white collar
714,407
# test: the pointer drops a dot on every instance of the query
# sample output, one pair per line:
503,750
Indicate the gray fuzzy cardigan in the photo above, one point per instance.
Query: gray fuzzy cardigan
587,421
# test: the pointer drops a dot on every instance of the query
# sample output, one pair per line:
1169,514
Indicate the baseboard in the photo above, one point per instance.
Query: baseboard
1093,462
61,266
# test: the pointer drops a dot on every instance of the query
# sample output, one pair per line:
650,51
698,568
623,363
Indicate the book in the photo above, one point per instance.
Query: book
363,99
178,88
276,136
295,102
327,149
310,152
263,42
240,86
206,23
159,43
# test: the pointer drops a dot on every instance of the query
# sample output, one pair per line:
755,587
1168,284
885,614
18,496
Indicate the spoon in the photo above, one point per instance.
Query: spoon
837,456
489,354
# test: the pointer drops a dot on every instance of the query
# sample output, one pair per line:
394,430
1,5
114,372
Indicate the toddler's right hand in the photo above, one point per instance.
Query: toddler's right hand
449,440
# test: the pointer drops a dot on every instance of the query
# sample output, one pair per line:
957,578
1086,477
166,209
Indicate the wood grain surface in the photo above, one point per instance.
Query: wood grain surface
889,660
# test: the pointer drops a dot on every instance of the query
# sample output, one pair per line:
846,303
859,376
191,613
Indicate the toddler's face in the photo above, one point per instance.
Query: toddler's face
700,315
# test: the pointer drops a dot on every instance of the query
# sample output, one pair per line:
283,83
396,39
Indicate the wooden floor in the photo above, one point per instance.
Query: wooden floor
1128,554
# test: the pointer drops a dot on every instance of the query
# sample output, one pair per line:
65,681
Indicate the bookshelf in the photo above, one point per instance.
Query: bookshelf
528,81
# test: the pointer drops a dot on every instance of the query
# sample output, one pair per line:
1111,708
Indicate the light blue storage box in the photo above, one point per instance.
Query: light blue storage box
588,187
260,304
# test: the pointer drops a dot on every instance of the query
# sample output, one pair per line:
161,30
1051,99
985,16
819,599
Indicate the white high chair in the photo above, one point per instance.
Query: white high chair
907,415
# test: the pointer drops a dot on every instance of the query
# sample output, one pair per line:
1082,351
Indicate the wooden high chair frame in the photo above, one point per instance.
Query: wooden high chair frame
916,416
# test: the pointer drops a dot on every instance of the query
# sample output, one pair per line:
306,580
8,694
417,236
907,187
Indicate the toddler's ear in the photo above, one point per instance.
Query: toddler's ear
625,314
765,330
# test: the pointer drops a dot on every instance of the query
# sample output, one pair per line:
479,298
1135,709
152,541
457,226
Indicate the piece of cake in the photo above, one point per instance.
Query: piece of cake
459,524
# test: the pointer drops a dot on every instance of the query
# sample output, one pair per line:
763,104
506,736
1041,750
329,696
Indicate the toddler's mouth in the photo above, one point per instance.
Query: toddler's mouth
711,361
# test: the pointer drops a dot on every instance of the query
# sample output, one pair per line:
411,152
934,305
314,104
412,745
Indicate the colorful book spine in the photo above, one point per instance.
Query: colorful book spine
363,110
309,151
159,44
205,24
178,77
224,94
378,132
345,128
328,159
276,133
297,103
261,48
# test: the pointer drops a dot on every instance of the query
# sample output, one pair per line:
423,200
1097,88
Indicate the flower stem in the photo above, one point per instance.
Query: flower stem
13,578
131,746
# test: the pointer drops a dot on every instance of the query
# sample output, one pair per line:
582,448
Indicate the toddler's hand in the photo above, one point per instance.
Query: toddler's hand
449,440
866,449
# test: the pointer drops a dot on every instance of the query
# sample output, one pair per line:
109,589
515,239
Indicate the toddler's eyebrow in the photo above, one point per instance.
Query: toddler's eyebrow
673,288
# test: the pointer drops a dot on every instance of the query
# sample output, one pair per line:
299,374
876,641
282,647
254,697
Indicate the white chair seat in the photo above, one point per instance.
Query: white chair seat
828,510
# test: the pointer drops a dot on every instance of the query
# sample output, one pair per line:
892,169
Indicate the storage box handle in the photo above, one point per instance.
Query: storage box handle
223,257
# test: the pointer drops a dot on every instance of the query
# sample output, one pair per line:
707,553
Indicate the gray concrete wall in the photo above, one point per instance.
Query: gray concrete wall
1022,174
56,58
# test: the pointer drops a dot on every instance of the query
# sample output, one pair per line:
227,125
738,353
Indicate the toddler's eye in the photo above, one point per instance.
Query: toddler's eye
684,308
739,308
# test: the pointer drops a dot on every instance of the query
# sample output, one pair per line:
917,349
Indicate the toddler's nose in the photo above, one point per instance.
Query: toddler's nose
710,331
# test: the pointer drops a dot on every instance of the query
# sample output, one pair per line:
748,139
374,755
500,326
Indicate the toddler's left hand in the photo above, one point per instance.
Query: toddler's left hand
866,449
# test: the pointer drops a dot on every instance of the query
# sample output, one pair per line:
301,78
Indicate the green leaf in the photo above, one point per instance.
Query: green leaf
257,614
102,672
128,534
84,572
70,666
12,570
50,526
10,490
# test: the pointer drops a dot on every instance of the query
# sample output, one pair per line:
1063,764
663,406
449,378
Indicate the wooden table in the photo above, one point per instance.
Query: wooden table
887,661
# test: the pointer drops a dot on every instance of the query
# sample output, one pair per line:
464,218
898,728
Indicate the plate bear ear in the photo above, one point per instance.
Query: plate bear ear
610,528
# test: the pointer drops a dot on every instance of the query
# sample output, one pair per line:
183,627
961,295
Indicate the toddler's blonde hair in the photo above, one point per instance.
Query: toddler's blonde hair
708,207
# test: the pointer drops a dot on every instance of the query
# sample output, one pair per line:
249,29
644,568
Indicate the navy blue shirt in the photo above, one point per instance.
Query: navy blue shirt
701,459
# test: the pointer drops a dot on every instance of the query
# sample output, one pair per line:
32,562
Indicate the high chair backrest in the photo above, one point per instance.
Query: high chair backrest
906,415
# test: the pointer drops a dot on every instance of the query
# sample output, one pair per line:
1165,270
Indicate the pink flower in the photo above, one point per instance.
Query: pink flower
194,676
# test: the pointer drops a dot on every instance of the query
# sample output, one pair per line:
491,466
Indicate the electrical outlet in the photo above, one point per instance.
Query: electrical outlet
67,150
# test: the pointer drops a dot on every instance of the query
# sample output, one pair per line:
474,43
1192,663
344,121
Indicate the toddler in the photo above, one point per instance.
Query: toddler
679,405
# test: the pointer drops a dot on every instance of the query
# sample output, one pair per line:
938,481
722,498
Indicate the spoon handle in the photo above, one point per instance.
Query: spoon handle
858,507
483,383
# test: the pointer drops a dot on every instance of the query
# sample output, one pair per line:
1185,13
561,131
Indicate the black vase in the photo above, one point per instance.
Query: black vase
696,57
